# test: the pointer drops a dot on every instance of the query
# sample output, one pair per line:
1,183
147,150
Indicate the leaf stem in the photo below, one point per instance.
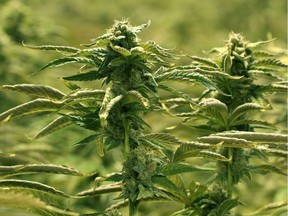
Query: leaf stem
133,207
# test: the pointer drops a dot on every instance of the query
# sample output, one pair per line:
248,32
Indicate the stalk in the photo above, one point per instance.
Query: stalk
229,174
133,207
126,138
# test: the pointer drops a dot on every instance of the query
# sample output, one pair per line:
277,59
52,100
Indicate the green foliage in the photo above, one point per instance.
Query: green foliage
153,165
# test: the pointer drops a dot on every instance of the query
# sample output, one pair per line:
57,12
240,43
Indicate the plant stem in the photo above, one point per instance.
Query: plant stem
229,173
133,207
126,138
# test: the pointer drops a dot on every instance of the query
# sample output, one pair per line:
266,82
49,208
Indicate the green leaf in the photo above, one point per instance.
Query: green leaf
165,184
273,88
227,141
31,185
164,138
29,108
85,93
120,50
213,156
36,90
177,168
269,62
104,189
196,190
266,168
205,61
85,77
25,201
133,96
242,110
57,124
216,110
37,168
52,47
89,139
66,60
107,105
256,136
226,206
191,149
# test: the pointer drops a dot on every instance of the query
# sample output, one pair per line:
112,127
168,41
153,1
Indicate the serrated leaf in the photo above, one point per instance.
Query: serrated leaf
205,61
164,183
213,156
57,124
269,62
104,189
89,139
273,88
52,47
85,93
191,149
106,108
242,110
37,168
66,60
133,96
31,185
259,43
177,168
256,136
85,77
31,107
164,138
120,50
36,90
227,141
20,200
266,168
216,110
226,206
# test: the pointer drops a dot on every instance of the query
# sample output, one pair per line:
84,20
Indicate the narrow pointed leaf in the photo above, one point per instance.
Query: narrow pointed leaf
55,125
105,110
226,206
85,77
178,168
37,168
204,61
227,141
243,109
31,185
120,50
266,168
29,108
66,60
164,183
20,200
36,90
89,139
191,149
132,96
269,62
52,47
97,191
256,136
164,138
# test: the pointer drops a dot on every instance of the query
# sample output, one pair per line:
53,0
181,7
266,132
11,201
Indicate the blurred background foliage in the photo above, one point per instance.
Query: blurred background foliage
191,26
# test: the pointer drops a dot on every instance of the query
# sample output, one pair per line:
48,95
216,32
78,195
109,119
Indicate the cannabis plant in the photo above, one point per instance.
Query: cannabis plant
131,73
113,114
224,117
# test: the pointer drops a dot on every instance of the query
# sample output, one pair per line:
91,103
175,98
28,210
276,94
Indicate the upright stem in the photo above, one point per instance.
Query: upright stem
126,138
133,207
229,173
